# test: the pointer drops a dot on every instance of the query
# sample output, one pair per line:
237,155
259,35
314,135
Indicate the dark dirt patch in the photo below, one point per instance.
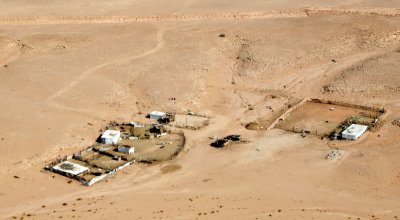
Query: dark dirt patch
170,168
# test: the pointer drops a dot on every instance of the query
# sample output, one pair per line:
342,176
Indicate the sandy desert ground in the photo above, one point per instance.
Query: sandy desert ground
69,67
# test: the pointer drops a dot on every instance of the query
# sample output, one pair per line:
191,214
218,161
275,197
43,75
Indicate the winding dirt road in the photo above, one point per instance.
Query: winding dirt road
51,101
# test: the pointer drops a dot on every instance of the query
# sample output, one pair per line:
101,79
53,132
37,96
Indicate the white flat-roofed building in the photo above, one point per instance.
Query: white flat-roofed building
126,149
70,168
157,115
110,137
354,131
136,124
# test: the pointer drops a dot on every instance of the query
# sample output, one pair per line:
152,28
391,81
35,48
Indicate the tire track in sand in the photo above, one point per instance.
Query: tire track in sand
51,101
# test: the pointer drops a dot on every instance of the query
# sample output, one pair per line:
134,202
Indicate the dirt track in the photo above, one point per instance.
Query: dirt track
51,101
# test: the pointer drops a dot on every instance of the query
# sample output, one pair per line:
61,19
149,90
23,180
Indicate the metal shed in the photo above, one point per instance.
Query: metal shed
354,131
157,115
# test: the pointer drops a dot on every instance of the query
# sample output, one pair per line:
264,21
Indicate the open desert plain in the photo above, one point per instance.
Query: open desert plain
282,74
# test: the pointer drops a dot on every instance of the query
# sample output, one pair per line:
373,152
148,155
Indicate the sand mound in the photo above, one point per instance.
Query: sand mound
253,126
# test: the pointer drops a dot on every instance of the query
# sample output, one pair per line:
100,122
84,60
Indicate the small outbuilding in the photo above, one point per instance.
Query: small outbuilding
354,131
126,149
136,124
157,115
67,167
110,137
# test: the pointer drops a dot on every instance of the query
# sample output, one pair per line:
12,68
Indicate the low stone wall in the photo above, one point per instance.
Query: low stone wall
94,180
101,177
369,108
180,148
287,113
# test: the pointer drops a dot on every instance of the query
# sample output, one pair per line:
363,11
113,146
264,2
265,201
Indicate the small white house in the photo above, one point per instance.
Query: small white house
110,137
157,115
354,131
126,149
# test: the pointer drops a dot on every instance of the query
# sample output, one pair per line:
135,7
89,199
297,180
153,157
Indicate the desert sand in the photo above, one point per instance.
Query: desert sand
67,68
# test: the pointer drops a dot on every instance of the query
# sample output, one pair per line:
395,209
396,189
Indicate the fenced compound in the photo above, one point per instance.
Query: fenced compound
322,118
151,143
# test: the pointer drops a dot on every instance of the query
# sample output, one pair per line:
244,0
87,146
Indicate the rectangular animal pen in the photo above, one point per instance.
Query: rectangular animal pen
190,121
322,118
